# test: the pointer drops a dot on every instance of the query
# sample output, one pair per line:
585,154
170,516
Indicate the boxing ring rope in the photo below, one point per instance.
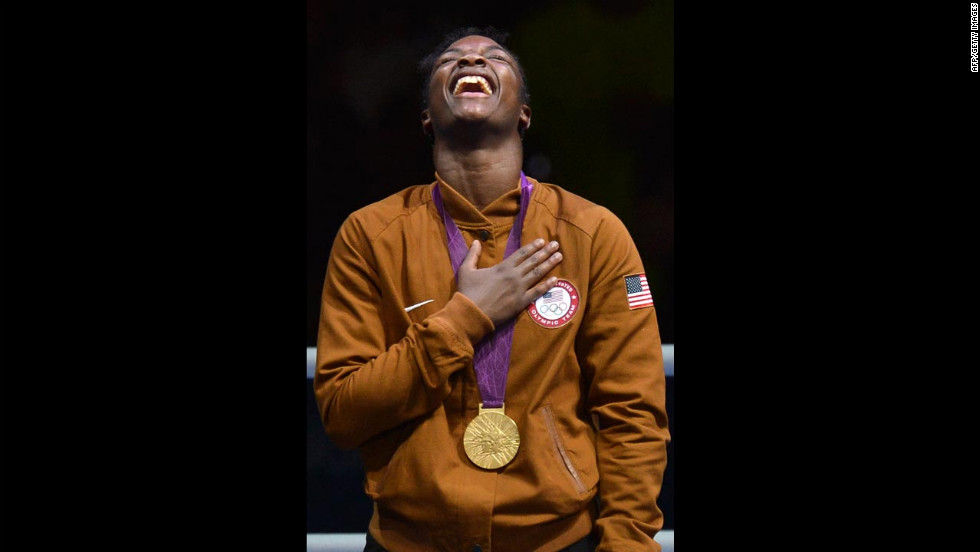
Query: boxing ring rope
354,542
668,350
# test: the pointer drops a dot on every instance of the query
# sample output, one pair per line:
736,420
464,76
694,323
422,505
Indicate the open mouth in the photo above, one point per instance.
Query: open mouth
472,85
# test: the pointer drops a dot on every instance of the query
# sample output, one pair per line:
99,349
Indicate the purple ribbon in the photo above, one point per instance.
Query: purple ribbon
491,356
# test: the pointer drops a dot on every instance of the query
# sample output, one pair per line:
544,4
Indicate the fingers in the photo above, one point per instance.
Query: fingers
524,252
538,264
472,256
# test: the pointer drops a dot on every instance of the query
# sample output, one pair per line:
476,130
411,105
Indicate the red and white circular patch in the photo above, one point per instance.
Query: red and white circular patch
556,307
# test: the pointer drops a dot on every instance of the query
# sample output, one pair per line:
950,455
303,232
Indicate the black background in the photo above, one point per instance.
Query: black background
153,271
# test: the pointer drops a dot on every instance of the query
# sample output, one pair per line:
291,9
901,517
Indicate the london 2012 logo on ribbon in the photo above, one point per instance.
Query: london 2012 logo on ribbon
556,307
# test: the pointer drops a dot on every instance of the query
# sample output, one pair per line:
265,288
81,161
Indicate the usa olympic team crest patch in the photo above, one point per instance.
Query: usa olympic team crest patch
556,307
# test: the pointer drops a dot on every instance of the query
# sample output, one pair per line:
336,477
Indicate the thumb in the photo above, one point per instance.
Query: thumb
469,261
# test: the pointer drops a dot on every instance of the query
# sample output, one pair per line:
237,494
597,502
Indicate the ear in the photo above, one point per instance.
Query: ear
426,123
524,122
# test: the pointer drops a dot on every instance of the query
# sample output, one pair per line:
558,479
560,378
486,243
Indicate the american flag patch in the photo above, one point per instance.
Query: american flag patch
553,296
638,292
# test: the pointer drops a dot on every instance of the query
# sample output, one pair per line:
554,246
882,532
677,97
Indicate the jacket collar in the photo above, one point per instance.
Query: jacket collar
500,212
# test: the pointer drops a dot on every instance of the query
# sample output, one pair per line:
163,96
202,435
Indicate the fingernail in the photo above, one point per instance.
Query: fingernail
557,256
553,244
539,242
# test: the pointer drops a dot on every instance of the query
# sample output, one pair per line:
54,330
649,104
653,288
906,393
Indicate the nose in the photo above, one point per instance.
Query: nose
471,59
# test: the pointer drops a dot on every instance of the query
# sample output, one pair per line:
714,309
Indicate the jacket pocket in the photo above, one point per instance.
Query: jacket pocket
560,452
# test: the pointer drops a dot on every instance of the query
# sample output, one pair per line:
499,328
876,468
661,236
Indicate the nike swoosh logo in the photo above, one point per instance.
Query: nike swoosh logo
417,305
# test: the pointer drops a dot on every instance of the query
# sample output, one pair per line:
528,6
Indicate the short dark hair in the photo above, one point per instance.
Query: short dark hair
500,37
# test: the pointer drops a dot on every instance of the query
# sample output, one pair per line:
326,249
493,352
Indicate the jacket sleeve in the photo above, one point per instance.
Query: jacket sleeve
622,360
363,386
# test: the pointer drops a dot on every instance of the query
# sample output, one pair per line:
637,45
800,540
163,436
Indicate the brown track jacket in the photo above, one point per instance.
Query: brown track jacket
401,386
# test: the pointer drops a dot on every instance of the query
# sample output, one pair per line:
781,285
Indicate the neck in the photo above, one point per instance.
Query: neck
481,175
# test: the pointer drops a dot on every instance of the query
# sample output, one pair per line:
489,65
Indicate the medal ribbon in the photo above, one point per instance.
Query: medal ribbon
491,356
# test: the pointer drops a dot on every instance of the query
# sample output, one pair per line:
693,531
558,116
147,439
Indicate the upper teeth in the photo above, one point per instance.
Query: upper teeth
473,80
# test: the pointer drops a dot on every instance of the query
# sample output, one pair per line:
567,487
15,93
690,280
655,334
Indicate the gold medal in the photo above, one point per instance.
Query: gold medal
491,439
